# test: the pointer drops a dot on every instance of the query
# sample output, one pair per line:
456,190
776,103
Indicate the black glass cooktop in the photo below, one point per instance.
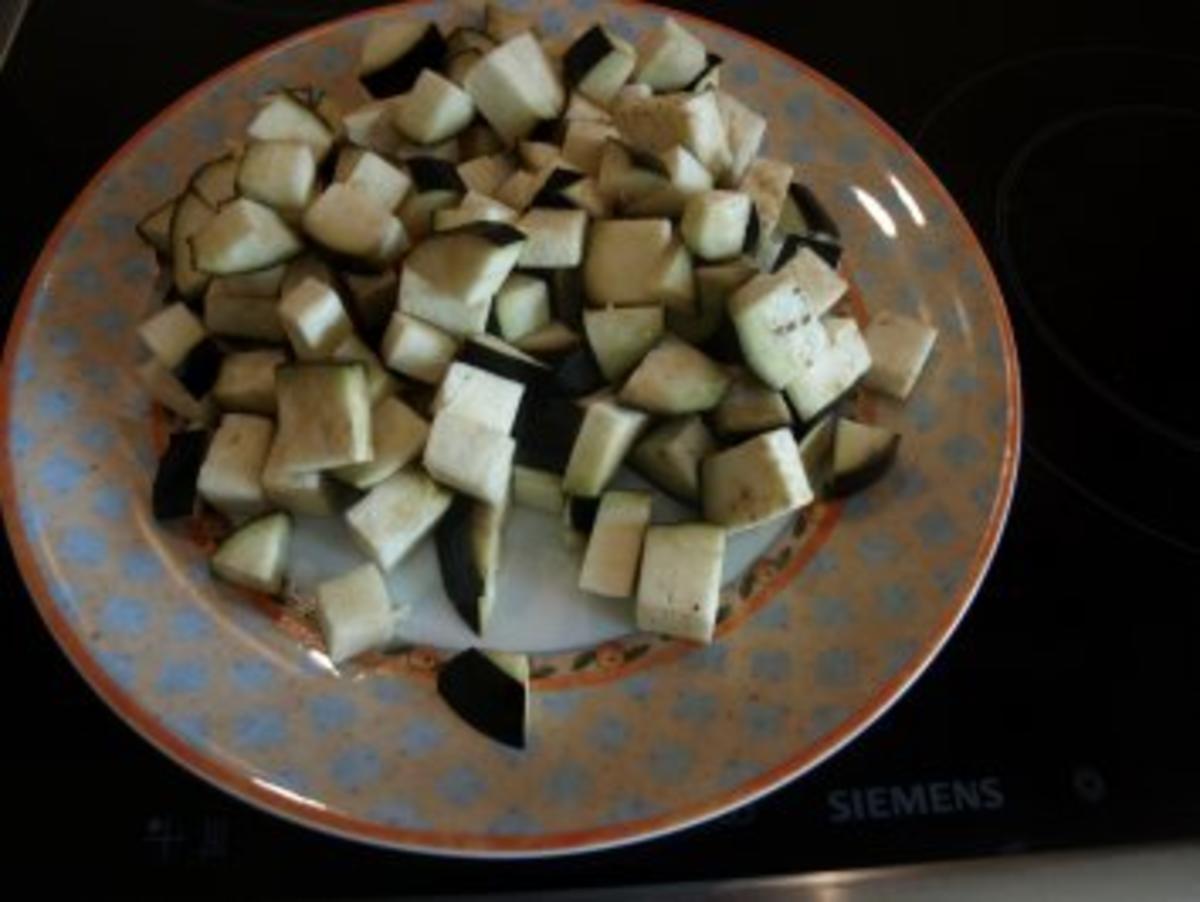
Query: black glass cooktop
1062,713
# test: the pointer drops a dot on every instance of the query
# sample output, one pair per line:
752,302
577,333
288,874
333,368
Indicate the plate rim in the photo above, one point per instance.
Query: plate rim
312,814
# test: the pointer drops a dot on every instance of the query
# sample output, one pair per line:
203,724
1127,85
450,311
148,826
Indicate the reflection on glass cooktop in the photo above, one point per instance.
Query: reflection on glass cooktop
1059,715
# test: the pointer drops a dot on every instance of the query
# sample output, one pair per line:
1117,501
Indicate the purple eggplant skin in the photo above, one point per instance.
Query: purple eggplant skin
484,696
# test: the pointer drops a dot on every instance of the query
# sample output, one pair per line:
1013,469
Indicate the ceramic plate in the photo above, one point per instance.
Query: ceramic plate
825,619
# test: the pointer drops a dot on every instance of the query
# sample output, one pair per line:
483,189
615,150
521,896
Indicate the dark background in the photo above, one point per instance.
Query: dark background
1070,683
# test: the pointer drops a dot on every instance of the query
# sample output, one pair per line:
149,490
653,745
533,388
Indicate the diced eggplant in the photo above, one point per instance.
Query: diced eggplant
351,225
280,174
314,319
621,336
503,24
714,285
417,349
551,342
579,514
598,64
243,236
522,306
384,183
468,547
820,284
567,295
191,214
216,181
460,64
718,225
546,429
465,38
162,385
469,456
450,278
281,117
744,133
447,152
607,434
477,394
237,316
391,519
246,383
372,300
486,696
750,407
171,334
674,378
680,581
779,334
614,550
155,227
537,489
324,415
626,260
630,178
486,174
567,190
816,452
536,155
767,182
309,494
555,238
514,86
804,215
394,55
584,143
577,374
231,476
200,368
306,266
380,383
672,58
435,110
490,353
398,435
355,613
861,455
756,481
174,495
518,190
658,123
670,456
255,555
834,371
686,177
261,283
899,348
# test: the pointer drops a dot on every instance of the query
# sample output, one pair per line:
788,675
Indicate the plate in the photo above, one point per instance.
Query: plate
825,622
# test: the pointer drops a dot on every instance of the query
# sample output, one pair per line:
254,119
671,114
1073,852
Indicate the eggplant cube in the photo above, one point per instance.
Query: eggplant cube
538,489
767,182
487,173
280,174
584,144
391,519
246,383
255,555
614,550
236,316
715,224
244,235
744,133
675,378
490,692
434,110
750,407
355,612
171,334
522,306
488,399
394,55
380,383
598,64
899,347
555,238
231,477
310,494
398,435
474,207
161,384
314,319
282,117
174,493
468,547
607,434
756,481
834,371
862,453
417,349
658,123
324,415
672,58
386,185
349,222
469,456
779,334
680,582
817,280
515,86
621,336
625,261
671,454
